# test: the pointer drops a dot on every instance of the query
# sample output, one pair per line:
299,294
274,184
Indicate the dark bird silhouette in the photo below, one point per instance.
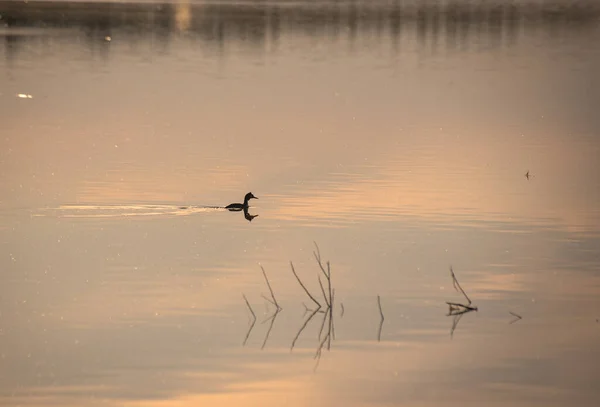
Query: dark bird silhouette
239,206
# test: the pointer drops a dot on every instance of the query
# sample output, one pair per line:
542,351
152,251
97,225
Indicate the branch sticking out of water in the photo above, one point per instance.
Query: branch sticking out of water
317,255
317,303
323,291
381,320
328,295
249,307
331,313
457,285
274,302
253,320
456,307
517,317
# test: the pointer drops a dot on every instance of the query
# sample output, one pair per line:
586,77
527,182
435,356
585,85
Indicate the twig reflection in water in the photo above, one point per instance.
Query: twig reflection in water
329,299
273,316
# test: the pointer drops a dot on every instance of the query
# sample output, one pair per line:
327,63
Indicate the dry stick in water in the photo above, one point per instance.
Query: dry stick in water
381,320
268,300
327,275
517,317
317,255
271,290
331,313
331,297
249,307
253,320
323,291
304,288
379,305
454,305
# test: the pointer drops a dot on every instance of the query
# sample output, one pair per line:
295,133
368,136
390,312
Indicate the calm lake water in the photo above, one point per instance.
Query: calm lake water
395,135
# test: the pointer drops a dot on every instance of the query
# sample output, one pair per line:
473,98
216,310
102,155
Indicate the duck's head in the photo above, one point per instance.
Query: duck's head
249,196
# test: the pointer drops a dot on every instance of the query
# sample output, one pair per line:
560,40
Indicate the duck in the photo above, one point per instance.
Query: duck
239,206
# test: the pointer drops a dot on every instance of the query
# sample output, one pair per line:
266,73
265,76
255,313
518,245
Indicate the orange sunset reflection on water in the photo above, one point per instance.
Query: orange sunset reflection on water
396,139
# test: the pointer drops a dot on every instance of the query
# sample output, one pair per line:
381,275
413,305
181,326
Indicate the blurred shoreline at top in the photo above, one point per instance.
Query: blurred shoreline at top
343,14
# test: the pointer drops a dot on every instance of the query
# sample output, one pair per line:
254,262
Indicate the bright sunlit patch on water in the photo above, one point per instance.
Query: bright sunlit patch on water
116,211
24,96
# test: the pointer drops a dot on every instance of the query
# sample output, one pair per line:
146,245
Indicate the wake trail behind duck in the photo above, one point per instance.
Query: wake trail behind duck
115,211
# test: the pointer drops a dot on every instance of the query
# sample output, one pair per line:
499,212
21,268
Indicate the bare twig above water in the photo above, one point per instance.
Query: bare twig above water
317,255
457,285
331,313
317,303
274,302
381,320
379,305
328,295
249,307
323,291
517,317
253,321
455,307
268,300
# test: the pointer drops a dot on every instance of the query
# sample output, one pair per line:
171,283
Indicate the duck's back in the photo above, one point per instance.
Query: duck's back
235,206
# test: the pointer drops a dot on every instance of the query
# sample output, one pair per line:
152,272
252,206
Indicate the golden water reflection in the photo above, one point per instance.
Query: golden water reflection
396,136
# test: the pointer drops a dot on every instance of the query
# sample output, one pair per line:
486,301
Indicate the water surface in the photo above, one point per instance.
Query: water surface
396,135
